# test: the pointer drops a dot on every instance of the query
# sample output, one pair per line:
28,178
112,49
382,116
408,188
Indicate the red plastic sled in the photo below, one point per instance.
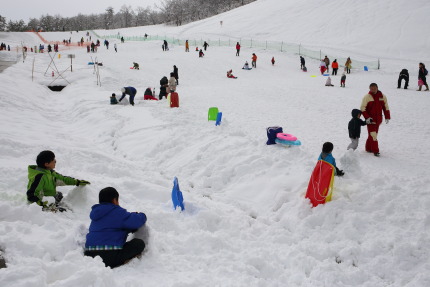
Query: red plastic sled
320,186
174,100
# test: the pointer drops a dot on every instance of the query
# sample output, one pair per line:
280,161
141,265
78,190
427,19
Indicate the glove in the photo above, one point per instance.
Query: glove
369,120
387,121
340,173
80,182
58,197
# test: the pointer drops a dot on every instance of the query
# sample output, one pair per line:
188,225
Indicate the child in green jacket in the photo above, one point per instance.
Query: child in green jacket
43,180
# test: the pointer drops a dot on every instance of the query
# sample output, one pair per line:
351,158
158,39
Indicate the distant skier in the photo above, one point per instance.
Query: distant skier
205,45
302,62
237,49
404,75
273,61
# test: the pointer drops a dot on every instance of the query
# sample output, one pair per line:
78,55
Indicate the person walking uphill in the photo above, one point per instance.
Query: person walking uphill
302,62
43,181
187,46
422,73
237,49
109,228
131,91
373,105
205,45
348,65
254,60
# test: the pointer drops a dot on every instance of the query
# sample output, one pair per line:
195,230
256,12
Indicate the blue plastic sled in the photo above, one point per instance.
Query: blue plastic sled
326,75
366,68
177,198
288,143
218,119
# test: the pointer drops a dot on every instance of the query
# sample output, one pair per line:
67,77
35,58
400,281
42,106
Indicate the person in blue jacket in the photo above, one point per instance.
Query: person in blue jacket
328,157
131,91
109,228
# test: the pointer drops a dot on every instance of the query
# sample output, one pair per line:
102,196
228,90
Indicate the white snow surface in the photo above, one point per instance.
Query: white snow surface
246,220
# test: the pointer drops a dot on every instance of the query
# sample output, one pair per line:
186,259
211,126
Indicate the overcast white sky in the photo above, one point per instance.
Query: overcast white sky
25,9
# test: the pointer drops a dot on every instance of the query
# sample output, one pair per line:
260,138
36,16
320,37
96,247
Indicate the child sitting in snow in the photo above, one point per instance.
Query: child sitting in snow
148,95
201,54
113,100
43,181
328,157
328,82
230,74
342,80
354,128
246,66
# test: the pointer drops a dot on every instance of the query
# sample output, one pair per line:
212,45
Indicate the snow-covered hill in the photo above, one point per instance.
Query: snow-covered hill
246,221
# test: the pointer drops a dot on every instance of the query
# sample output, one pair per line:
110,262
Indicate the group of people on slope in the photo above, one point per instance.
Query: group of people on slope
110,223
422,78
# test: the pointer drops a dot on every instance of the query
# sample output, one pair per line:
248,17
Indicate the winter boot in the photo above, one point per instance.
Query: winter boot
427,86
419,88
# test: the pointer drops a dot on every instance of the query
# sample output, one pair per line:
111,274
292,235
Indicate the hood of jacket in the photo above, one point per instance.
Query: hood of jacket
100,210
34,170
355,113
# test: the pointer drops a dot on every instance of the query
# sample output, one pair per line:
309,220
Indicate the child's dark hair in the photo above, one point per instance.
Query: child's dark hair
45,156
327,147
172,74
373,85
108,194
113,95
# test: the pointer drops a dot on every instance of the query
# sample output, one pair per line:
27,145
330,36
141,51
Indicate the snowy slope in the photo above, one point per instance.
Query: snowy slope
246,221
381,29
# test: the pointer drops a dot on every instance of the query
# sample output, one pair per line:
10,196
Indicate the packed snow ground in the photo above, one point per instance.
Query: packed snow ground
246,221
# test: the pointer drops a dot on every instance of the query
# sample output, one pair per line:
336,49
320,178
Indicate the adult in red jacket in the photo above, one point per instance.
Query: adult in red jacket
373,105
237,49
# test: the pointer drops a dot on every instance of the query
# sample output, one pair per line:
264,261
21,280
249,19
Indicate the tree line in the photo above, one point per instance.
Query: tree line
170,12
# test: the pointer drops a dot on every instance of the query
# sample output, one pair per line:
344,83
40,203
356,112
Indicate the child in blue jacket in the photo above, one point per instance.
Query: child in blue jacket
328,157
109,228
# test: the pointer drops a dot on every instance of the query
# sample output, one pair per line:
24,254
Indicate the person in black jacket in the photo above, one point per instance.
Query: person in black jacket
176,75
404,75
354,128
302,62
422,73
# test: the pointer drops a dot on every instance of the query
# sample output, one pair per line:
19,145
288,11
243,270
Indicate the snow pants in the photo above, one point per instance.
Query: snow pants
115,258
399,82
334,72
353,144
372,139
